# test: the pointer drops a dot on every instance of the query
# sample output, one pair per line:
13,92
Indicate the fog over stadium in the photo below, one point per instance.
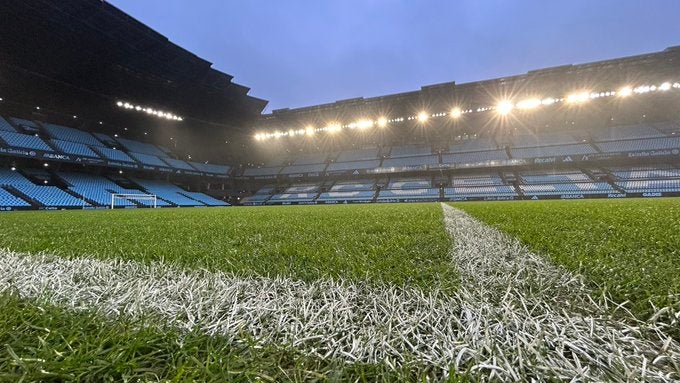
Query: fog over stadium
305,53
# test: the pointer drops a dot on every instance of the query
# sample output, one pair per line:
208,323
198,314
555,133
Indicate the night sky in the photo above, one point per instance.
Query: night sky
300,53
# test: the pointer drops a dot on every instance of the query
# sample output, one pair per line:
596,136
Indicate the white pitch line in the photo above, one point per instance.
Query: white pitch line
504,336
545,316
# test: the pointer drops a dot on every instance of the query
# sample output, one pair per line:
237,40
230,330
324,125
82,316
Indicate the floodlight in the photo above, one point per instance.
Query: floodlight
423,116
456,112
578,97
530,103
364,124
504,107
625,91
382,122
665,86
333,128
309,131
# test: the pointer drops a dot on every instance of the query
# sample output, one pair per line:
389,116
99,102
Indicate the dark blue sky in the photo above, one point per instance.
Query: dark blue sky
299,53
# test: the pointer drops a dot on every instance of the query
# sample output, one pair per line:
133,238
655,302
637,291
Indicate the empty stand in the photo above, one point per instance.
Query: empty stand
6,126
74,148
353,165
140,147
69,134
99,189
47,196
417,161
640,144
24,141
168,192
551,151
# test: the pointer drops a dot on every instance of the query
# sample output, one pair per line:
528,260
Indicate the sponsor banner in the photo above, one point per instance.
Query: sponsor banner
486,198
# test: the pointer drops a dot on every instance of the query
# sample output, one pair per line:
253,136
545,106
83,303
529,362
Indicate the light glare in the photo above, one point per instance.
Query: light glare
504,107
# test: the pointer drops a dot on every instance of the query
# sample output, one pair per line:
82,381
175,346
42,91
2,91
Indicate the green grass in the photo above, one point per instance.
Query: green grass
47,344
399,244
629,248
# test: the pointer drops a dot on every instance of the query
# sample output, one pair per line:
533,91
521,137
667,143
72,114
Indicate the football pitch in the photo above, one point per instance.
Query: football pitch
500,291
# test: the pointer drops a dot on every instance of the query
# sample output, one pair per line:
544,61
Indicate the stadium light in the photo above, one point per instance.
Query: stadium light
530,103
334,127
364,124
504,107
147,110
13,168
625,91
577,98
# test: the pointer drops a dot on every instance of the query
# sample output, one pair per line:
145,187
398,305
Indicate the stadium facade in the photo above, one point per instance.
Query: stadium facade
94,103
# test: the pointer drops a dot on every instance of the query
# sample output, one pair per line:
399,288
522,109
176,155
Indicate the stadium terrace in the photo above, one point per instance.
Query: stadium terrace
514,229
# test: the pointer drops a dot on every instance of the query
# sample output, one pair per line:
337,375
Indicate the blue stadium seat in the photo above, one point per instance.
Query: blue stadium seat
177,164
480,191
358,154
550,151
410,151
555,177
431,194
69,134
567,188
410,183
140,147
50,196
342,186
310,158
547,139
169,192
302,188
9,200
410,161
211,168
148,159
292,197
474,157
206,199
626,132
24,123
476,180
114,154
99,189
640,144
74,148
24,141
651,186
473,145
294,169
354,165
646,173
6,126
340,196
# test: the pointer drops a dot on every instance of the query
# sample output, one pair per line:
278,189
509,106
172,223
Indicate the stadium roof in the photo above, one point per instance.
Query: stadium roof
84,56
559,81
